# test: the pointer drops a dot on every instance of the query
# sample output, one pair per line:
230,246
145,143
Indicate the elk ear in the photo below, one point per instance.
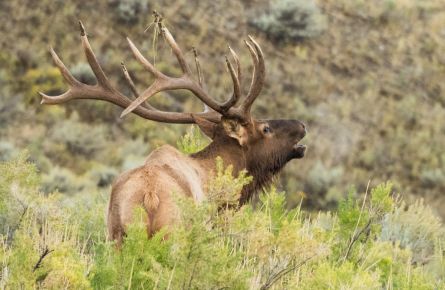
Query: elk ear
206,126
235,130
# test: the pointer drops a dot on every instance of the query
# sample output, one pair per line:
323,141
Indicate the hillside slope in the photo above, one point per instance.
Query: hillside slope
370,86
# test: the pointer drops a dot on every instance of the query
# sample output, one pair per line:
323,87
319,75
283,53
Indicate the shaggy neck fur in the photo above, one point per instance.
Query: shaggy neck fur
226,148
261,169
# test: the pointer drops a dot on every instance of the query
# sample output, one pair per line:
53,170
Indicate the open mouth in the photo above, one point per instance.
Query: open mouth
299,150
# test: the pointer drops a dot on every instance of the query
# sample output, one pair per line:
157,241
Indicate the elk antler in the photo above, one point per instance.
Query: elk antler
258,76
163,82
103,90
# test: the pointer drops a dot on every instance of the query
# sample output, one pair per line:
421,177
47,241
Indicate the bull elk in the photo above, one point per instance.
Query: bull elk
262,147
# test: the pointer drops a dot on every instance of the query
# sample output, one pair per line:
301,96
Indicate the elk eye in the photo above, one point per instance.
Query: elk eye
266,130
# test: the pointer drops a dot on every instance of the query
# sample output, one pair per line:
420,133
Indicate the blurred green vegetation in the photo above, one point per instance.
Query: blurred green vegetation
366,76
51,241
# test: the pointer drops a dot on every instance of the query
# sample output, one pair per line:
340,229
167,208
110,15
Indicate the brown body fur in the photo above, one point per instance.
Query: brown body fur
167,171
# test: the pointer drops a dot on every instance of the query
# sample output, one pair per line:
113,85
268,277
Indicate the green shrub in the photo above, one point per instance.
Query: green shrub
41,256
82,72
132,153
345,276
193,141
43,239
433,177
414,227
320,183
291,20
224,189
79,138
18,183
101,175
7,150
45,79
50,241
130,11
64,181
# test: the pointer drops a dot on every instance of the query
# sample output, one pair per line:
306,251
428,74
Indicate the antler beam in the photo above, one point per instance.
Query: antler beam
103,90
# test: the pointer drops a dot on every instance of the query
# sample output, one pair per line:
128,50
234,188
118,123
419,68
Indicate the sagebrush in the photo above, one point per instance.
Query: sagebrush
50,240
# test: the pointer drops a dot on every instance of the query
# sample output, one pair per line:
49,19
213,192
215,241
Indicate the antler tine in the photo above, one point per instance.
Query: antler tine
157,86
52,100
145,63
200,77
238,66
176,50
253,55
236,86
258,75
261,75
67,76
161,82
133,87
63,70
198,67
129,80
92,60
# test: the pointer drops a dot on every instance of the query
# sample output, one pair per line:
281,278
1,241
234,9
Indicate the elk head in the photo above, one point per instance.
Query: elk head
265,145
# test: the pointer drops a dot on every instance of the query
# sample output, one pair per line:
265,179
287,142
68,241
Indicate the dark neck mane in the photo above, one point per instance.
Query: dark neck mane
262,170
226,148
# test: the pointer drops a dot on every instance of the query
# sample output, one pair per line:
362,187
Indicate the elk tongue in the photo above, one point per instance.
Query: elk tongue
299,151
